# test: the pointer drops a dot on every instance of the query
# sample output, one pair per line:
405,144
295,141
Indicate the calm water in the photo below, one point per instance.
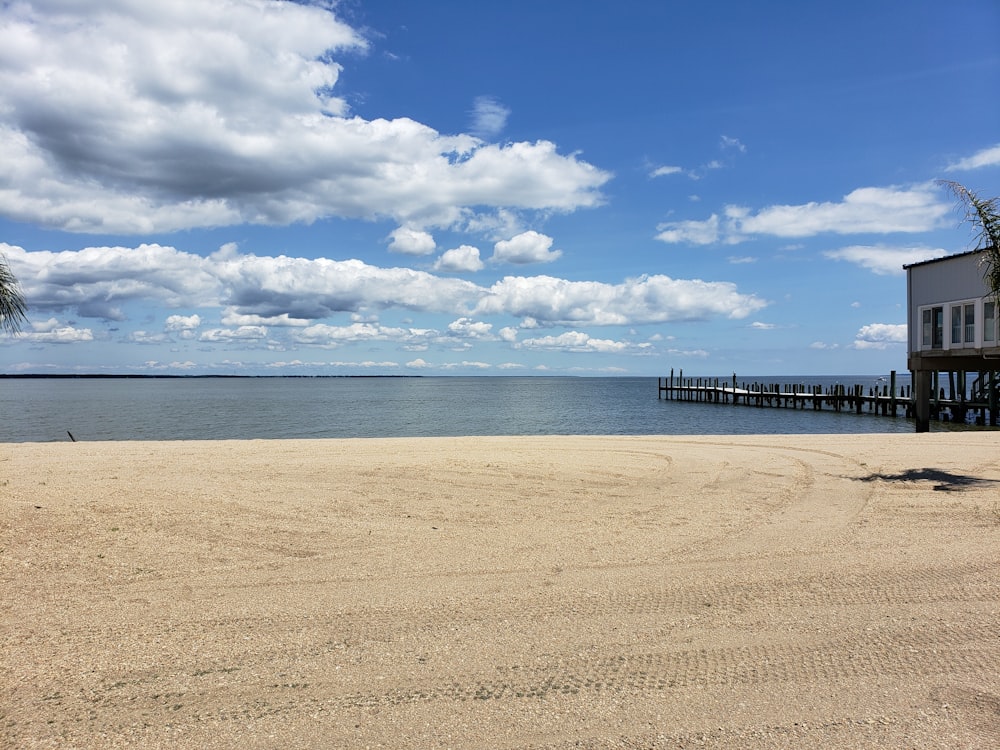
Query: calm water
217,409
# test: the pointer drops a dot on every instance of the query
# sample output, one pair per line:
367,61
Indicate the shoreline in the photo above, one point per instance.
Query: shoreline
538,591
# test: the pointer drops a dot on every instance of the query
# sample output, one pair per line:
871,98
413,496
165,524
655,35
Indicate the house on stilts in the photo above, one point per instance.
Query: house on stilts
953,327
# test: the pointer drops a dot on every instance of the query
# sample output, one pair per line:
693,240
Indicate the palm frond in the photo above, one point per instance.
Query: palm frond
13,308
984,215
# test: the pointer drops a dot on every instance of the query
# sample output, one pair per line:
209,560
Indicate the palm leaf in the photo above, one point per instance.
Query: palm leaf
13,308
984,215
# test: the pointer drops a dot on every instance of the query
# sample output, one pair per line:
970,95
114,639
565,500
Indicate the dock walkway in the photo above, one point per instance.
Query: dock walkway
883,400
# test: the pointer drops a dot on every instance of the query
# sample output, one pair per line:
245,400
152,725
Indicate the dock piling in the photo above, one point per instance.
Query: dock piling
883,399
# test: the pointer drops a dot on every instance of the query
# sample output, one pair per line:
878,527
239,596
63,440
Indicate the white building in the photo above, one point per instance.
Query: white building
952,323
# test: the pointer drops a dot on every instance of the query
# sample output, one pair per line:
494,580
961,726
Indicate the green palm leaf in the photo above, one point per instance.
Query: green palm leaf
12,304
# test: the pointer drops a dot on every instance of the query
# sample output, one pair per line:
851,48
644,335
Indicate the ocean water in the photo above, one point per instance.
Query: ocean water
42,410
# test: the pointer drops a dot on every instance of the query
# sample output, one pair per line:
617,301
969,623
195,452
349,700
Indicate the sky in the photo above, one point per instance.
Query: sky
543,187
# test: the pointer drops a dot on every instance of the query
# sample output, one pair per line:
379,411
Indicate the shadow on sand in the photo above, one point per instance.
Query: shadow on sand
945,481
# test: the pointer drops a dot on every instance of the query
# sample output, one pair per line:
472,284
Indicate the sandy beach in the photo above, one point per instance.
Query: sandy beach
552,592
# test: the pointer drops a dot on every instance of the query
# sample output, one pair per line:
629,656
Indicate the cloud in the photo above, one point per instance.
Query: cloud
44,326
243,334
665,170
471,329
256,294
48,333
232,318
508,334
182,322
647,299
575,341
146,337
489,117
464,258
759,326
875,210
315,289
330,337
137,117
865,210
156,365
725,142
699,353
692,232
411,242
885,261
96,280
988,157
527,247
880,335
466,365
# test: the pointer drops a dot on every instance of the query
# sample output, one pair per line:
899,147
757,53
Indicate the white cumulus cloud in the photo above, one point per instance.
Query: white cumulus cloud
60,334
330,336
182,322
647,299
137,117
880,335
234,335
259,296
462,259
693,232
412,242
527,247
96,281
885,261
470,329
873,210
577,341
988,157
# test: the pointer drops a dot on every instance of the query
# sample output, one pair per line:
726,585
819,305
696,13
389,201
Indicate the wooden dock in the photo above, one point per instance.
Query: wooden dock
884,399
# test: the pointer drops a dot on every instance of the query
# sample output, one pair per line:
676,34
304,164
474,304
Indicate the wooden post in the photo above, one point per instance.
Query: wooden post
992,399
922,386
963,407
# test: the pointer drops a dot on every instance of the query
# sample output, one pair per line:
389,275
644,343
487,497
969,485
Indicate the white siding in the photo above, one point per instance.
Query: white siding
955,279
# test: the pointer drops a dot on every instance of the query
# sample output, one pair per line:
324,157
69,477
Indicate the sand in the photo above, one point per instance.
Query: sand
551,592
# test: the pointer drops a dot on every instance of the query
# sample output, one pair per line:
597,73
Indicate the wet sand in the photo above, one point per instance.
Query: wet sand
553,592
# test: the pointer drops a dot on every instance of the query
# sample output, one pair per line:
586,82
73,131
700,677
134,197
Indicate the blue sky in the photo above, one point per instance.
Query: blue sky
446,187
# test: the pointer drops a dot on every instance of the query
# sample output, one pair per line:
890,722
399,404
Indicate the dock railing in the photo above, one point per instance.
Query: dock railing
883,399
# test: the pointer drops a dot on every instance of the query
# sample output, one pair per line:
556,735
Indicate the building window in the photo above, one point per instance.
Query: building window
989,321
932,327
956,324
970,324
